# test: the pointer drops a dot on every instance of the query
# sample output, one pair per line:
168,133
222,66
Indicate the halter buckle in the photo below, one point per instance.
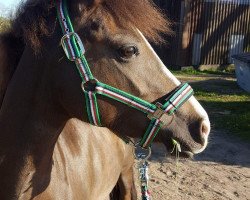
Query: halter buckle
161,115
67,47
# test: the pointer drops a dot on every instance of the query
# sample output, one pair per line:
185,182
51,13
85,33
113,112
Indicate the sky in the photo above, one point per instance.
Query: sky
6,6
9,3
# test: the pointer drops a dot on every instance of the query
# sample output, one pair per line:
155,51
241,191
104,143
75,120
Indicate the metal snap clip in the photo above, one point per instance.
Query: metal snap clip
141,153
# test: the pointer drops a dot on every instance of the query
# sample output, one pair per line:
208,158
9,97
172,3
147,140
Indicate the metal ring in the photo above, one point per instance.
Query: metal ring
142,156
83,84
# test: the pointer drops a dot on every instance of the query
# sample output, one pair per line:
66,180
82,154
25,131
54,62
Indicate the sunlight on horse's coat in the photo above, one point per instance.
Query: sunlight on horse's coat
44,126
195,104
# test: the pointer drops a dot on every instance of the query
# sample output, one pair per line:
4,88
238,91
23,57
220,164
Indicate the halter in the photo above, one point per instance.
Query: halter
161,115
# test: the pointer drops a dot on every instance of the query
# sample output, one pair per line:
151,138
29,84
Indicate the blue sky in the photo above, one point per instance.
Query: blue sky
8,6
9,3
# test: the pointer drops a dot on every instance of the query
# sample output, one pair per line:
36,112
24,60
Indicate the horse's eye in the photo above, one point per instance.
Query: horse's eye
128,51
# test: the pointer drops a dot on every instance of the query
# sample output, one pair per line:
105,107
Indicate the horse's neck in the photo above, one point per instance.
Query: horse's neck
28,119
28,104
89,153
11,49
83,157
29,123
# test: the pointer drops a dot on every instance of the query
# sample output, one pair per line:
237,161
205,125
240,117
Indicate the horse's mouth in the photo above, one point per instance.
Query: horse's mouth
183,152
186,154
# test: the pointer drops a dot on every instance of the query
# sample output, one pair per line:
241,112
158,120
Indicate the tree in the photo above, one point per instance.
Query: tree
4,24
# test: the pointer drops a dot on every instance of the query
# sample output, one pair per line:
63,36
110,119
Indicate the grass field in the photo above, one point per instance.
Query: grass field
228,106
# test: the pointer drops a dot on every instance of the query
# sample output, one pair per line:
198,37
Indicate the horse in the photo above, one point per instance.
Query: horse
48,148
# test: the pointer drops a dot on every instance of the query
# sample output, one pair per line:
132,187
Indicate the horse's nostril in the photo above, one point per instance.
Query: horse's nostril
200,131
204,131
205,128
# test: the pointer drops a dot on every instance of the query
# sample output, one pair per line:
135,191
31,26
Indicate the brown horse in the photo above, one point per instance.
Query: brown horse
48,150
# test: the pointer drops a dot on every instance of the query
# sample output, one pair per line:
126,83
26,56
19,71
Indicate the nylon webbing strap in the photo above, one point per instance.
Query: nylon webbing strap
173,102
125,98
74,51
180,96
158,114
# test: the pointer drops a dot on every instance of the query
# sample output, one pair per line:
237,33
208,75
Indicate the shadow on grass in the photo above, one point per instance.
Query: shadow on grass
227,105
228,108
233,117
219,86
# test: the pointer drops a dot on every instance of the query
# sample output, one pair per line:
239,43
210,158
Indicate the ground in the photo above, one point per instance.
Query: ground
221,172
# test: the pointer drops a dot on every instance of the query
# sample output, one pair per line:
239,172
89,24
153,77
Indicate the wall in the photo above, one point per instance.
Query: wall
207,31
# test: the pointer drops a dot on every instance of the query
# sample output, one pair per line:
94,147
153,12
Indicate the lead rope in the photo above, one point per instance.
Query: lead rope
144,179
143,169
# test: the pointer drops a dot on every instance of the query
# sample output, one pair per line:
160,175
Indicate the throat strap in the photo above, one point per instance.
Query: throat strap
161,115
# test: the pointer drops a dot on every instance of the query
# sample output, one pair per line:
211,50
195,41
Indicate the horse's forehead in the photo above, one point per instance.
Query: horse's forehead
153,55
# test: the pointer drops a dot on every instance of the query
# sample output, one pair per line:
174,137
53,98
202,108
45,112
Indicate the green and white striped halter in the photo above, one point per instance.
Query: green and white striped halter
160,114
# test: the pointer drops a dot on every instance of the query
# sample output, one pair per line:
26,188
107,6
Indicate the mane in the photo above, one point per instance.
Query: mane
142,14
34,19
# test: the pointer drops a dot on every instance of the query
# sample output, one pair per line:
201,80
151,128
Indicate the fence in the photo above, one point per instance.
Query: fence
207,31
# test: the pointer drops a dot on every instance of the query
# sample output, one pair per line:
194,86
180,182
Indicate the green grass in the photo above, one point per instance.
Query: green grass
227,105
190,71
229,111
187,72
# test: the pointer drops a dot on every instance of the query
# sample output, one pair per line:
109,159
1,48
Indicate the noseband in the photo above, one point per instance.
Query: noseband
161,115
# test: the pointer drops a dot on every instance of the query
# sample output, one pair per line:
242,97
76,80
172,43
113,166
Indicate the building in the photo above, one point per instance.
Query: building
207,32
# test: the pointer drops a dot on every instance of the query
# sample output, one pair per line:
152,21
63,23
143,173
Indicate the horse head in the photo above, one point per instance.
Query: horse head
119,55
46,91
